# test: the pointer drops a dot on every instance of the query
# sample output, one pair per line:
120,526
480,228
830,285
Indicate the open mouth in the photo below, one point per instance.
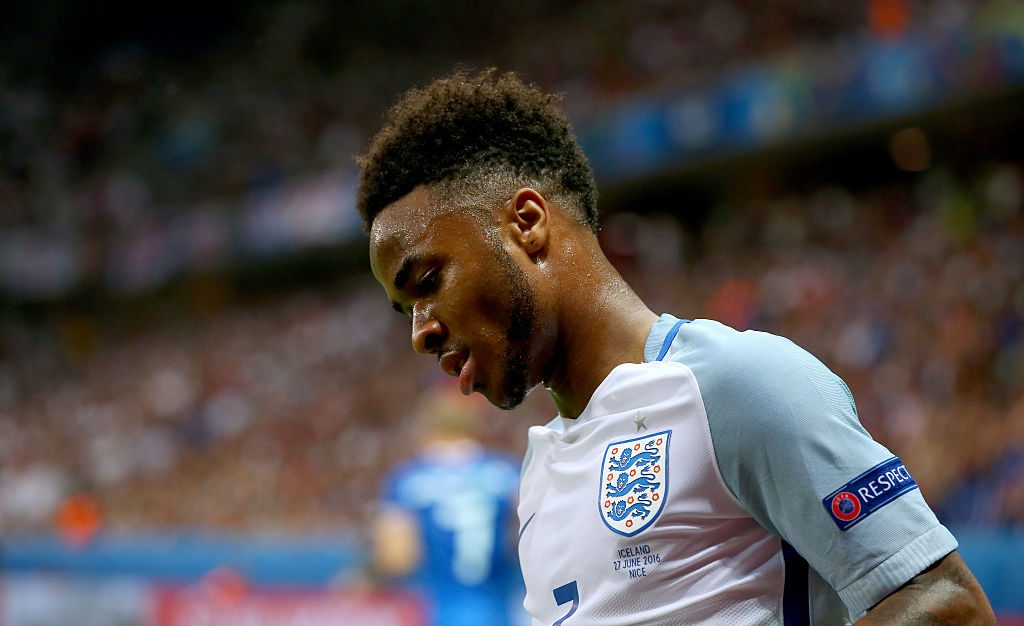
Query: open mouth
453,361
460,364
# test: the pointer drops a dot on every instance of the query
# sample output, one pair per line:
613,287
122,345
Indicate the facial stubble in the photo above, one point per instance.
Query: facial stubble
522,311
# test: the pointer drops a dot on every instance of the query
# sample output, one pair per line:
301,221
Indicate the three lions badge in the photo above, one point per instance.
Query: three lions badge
634,481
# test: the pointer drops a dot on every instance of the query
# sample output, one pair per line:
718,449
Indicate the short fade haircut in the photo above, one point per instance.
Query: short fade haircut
477,136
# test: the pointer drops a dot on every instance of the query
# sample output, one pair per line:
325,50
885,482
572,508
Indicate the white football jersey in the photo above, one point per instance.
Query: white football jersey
726,480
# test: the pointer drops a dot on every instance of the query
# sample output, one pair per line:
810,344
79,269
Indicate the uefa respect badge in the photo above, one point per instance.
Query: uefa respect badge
634,481
865,494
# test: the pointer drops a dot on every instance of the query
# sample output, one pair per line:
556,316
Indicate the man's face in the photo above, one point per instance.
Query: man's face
470,303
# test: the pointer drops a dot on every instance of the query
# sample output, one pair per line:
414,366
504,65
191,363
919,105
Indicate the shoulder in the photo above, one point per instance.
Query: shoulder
402,481
758,375
714,350
500,459
497,472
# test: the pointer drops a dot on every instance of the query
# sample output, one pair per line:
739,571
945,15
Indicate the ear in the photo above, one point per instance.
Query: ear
528,212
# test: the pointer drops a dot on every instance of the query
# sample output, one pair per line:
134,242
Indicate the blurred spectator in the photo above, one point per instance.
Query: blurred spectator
447,521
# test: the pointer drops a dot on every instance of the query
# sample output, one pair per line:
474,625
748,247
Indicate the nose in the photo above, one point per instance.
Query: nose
428,334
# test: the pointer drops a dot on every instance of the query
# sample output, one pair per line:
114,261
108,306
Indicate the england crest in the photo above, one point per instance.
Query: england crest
634,481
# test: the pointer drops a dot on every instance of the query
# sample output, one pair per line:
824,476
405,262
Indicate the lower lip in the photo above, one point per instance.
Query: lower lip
466,377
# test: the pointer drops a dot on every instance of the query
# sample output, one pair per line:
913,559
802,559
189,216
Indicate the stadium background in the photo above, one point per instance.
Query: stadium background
201,387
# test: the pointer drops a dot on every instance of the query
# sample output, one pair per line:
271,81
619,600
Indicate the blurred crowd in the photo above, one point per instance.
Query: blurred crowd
286,414
245,420
107,160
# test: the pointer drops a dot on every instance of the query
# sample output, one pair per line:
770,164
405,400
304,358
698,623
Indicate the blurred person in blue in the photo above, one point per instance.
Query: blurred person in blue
446,524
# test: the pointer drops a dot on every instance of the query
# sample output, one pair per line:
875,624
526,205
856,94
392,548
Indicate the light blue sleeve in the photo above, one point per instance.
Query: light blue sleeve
790,447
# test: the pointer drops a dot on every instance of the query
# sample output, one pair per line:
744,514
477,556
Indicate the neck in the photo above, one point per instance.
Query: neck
601,328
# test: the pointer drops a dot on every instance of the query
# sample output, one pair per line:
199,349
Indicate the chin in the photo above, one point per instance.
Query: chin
503,402
510,398
508,403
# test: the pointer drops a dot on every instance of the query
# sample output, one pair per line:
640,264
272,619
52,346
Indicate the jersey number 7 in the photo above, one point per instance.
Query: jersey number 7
568,592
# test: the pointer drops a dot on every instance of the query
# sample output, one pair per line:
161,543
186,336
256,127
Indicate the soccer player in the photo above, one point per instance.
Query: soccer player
694,474
446,525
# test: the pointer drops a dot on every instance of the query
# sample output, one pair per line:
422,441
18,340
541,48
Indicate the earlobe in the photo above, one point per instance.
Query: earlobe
530,219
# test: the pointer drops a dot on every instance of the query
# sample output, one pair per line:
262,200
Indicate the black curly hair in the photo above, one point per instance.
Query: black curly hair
490,131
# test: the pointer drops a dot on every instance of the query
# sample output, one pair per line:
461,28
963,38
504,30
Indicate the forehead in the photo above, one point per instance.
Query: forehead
414,225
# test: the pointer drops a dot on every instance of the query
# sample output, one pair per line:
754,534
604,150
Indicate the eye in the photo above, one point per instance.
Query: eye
402,311
429,281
